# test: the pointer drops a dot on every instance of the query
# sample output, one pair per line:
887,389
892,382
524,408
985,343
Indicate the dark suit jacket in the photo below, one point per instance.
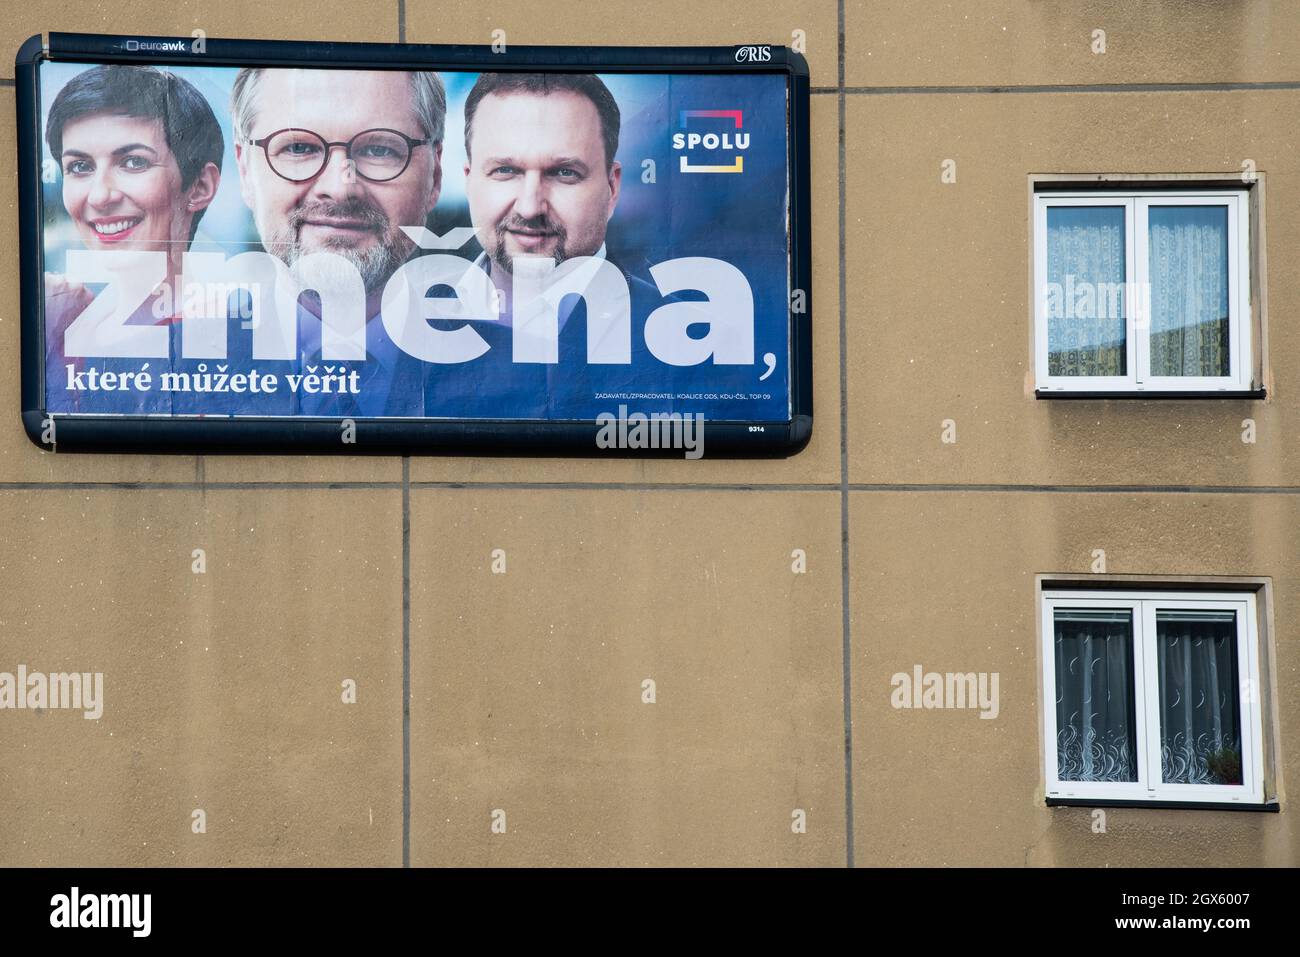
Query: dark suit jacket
494,386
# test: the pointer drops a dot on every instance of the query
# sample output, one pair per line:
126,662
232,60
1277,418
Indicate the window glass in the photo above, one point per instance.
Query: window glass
1096,727
1189,290
1085,291
1200,707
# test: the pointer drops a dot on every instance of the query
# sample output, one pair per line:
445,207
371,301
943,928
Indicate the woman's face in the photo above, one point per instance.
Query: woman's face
121,183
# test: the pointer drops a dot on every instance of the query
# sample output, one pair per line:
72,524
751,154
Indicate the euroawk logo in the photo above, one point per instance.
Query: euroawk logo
710,141
155,46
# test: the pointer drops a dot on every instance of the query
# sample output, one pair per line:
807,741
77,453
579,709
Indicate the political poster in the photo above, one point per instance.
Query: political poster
524,251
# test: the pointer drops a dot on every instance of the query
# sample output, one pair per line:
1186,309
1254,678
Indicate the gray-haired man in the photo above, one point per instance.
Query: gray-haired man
338,161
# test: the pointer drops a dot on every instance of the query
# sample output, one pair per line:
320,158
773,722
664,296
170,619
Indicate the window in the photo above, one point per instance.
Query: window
1142,292
1152,696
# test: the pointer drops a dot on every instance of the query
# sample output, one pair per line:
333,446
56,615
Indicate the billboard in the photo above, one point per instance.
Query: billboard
242,246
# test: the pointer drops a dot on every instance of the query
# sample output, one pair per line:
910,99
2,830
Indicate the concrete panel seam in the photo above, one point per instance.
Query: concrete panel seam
1075,88
1091,489
406,661
846,655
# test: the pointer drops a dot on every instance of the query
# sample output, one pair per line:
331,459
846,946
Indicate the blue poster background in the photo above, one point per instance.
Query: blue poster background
662,214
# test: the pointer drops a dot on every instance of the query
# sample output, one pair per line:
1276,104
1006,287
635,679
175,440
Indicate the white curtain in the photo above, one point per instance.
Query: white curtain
1200,708
1095,712
1085,268
1189,290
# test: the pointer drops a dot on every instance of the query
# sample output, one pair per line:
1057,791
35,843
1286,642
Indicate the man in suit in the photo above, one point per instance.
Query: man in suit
337,161
542,183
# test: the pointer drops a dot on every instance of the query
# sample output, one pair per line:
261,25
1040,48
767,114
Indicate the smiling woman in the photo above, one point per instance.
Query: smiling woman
140,154
137,147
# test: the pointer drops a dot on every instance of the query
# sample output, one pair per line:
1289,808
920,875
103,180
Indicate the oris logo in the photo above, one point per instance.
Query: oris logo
753,54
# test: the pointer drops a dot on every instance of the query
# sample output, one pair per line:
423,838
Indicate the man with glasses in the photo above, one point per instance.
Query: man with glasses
338,161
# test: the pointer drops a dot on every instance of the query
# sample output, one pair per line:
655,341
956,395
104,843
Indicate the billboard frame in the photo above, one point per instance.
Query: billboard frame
394,436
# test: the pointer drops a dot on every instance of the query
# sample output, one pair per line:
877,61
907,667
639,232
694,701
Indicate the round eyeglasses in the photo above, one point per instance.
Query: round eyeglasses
377,155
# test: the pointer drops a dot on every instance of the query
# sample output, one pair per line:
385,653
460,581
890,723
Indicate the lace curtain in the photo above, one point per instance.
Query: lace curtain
1085,269
1095,711
1187,253
1189,290
1200,708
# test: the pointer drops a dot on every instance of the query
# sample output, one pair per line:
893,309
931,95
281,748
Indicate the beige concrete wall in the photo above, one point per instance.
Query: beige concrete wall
946,580
223,689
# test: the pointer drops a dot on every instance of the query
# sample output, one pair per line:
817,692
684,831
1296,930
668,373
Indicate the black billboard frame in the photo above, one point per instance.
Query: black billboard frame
391,436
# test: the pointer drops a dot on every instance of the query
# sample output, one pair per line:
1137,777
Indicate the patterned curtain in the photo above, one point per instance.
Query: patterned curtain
1084,295
1189,290
1200,708
1096,726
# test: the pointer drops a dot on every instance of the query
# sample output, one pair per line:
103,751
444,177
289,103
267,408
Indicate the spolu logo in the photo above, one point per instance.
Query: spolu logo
732,143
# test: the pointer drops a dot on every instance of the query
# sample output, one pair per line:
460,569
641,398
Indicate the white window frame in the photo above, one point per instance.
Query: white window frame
1137,205
1149,786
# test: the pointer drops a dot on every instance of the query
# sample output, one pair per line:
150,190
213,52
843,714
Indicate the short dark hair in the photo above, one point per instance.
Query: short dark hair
544,84
191,128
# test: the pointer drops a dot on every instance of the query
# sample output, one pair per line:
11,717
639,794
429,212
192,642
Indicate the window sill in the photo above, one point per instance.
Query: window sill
1210,394
1271,807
